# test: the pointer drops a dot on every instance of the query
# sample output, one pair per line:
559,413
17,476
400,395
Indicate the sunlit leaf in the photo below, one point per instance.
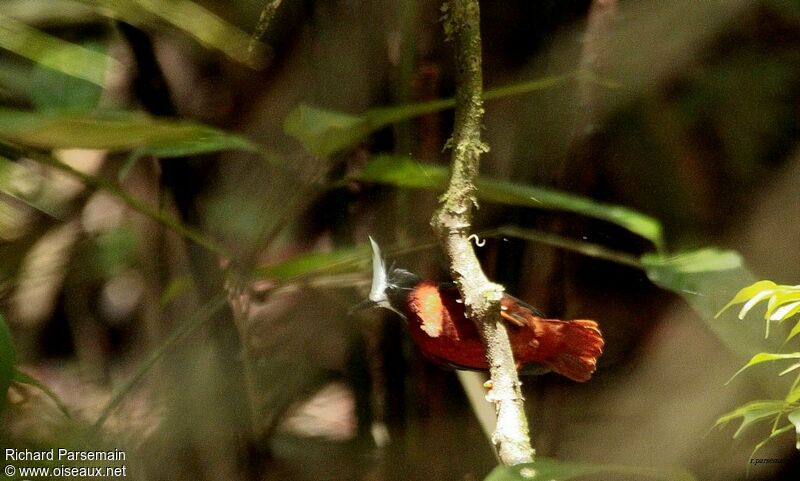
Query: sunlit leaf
755,300
785,311
119,131
324,132
793,395
790,369
762,357
795,331
6,360
335,261
54,53
752,412
548,469
747,293
794,418
406,172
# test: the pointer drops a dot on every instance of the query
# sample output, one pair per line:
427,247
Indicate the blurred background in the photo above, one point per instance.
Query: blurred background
184,212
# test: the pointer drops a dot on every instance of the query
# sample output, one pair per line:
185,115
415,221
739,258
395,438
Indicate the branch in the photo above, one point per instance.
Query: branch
452,223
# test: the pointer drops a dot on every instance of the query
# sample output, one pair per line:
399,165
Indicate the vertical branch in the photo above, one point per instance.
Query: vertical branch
452,223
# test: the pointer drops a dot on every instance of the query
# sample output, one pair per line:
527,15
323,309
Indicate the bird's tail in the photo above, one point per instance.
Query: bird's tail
580,344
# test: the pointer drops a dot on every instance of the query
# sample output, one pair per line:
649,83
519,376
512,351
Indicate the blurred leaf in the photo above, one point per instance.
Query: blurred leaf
707,279
54,53
183,148
6,361
324,132
176,287
762,357
794,418
304,264
406,172
548,469
194,19
55,91
23,378
117,131
752,412
115,250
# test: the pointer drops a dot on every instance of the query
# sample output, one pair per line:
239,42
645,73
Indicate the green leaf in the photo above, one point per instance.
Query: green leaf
762,357
55,91
324,132
54,53
117,131
707,279
194,19
406,172
795,331
6,361
747,293
335,261
187,147
794,418
752,412
548,469
774,434
793,395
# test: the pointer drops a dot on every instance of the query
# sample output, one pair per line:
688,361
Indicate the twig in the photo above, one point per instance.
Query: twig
452,222
189,326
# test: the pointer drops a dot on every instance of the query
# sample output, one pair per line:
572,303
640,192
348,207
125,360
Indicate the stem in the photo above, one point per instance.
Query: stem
452,222
188,327
140,206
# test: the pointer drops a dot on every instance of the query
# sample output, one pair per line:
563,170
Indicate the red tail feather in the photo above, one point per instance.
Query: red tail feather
576,347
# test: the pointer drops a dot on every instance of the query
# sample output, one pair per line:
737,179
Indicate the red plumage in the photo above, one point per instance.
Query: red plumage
440,328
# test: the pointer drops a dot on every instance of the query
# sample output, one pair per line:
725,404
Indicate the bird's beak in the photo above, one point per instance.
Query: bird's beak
365,304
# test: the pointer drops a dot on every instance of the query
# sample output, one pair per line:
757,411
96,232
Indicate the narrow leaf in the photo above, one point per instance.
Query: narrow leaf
765,357
324,132
747,293
118,131
194,19
785,311
751,413
794,418
755,300
406,172
795,331
54,53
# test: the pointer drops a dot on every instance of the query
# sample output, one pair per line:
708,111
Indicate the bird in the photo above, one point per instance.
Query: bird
437,321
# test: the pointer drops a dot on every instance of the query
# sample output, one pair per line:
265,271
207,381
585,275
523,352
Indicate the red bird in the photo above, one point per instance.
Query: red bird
438,324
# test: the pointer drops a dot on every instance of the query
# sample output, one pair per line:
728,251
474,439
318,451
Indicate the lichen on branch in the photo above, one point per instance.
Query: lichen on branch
452,222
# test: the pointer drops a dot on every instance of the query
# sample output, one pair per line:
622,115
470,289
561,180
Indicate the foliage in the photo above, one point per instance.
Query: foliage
783,303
